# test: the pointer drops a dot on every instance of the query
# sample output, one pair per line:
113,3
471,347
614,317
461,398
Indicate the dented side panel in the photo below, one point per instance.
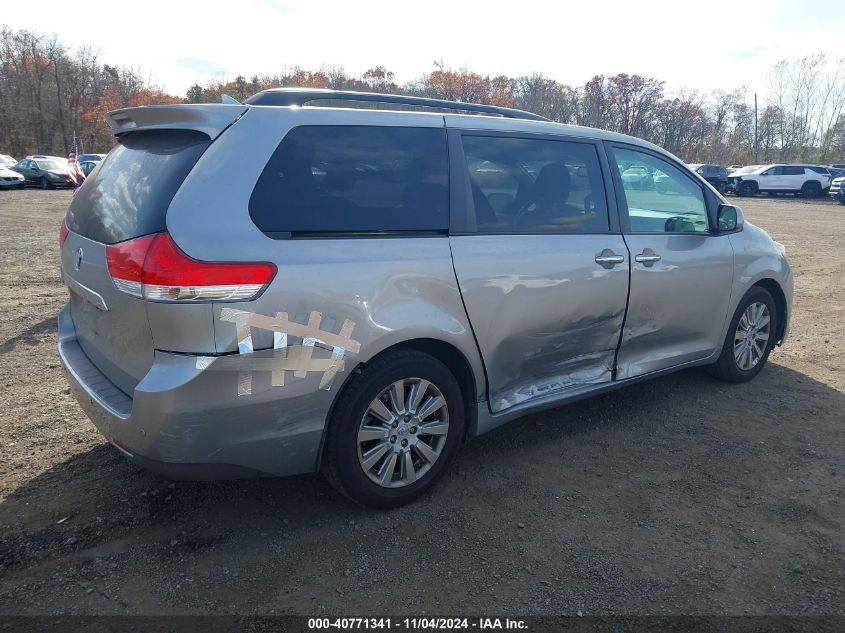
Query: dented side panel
547,317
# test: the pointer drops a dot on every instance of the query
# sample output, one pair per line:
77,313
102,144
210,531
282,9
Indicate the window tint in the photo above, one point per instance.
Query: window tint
774,171
129,195
793,171
661,197
819,170
359,179
535,186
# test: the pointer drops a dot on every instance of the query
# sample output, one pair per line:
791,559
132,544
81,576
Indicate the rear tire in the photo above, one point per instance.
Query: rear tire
740,359
811,189
747,189
378,460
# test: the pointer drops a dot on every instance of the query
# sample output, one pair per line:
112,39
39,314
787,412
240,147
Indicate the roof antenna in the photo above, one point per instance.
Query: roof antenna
229,100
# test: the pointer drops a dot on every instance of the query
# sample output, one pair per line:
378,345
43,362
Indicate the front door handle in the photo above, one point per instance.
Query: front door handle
647,257
608,258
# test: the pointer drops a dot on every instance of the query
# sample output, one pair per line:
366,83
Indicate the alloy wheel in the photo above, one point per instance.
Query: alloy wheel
752,336
403,432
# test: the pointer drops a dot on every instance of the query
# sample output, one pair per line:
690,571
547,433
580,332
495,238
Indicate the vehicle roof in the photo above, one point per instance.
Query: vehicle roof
214,118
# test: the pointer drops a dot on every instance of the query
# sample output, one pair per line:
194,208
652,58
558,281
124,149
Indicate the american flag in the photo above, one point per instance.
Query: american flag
74,170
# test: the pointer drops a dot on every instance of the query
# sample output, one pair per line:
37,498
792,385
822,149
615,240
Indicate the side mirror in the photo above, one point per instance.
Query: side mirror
729,218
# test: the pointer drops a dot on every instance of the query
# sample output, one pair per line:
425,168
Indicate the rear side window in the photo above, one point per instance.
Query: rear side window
354,179
524,185
129,195
793,171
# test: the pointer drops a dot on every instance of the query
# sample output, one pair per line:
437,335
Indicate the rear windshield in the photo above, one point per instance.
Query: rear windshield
129,195
354,179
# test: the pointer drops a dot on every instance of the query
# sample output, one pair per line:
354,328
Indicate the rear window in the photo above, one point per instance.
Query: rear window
129,195
354,179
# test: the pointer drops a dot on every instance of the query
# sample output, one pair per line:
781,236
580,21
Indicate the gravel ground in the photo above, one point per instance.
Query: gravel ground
680,496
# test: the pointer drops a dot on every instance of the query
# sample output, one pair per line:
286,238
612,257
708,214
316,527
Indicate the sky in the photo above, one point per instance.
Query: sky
703,44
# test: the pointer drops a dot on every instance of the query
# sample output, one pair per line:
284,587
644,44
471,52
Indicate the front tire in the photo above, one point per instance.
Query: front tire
394,429
747,189
42,182
751,336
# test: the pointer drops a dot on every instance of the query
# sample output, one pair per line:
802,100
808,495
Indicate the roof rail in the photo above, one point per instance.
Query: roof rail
301,96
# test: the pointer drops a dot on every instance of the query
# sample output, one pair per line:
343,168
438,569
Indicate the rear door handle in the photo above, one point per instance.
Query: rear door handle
608,258
648,256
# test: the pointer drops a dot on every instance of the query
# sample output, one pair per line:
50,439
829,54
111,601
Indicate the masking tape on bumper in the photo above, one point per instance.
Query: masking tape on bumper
296,358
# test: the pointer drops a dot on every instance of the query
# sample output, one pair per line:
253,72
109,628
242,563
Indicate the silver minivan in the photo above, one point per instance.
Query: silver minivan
296,284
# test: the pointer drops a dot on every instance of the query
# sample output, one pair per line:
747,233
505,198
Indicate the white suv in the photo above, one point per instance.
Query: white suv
808,180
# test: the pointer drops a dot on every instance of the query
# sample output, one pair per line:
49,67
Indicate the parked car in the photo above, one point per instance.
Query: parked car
87,166
96,158
47,172
7,161
797,179
297,289
716,175
743,169
838,165
837,190
11,179
638,178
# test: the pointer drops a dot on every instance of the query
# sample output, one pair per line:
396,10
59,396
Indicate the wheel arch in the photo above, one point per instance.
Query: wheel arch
774,289
454,359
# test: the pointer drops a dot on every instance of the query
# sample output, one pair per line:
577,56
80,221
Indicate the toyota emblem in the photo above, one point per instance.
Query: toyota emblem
77,259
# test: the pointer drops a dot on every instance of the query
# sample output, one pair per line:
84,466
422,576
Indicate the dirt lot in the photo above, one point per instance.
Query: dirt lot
684,495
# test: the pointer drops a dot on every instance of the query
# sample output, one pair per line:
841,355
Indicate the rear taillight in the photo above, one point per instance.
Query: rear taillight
63,231
155,268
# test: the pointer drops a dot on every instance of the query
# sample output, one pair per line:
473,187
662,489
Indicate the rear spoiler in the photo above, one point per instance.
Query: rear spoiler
210,119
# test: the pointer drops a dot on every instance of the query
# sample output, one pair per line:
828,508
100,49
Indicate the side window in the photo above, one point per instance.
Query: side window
793,171
661,198
359,179
774,171
535,185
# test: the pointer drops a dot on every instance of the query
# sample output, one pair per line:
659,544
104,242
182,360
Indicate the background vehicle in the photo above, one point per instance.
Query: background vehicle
837,190
7,161
47,172
797,179
716,175
350,299
11,179
88,166
96,158
638,178
837,165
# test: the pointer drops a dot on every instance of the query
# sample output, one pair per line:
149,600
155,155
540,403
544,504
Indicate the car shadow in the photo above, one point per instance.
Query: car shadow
98,506
31,335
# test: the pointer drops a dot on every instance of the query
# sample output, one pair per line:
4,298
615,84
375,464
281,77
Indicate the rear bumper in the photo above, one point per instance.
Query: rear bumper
186,420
